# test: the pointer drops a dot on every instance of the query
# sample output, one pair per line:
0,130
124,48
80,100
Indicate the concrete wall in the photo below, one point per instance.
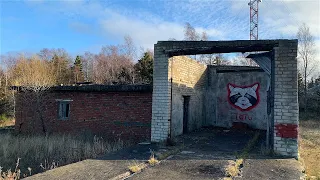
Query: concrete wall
220,111
188,79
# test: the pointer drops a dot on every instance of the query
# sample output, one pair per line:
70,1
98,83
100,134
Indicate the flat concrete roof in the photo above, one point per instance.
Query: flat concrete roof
101,88
176,48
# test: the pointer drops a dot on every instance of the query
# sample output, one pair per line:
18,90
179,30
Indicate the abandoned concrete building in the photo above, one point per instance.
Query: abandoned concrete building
187,95
208,96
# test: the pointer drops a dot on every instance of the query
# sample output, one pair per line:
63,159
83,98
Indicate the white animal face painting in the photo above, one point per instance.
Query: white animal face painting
243,97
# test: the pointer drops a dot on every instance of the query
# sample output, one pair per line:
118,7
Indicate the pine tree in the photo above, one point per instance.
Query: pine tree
144,68
77,70
311,83
78,63
60,65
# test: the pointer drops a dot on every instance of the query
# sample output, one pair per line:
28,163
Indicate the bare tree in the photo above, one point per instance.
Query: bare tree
306,52
34,77
46,54
113,65
88,59
204,36
190,33
205,58
129,48
240,60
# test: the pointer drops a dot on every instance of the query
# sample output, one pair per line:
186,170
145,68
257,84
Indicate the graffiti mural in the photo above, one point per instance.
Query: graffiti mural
241,117
243,98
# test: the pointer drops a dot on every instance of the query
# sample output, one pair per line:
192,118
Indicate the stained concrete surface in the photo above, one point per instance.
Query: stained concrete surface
271,169
104,167
204,155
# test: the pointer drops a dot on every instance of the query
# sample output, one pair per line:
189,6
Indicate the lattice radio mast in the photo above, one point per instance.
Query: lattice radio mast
254,19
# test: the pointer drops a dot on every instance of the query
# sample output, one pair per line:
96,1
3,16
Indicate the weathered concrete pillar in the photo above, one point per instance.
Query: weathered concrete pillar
161,96
286,107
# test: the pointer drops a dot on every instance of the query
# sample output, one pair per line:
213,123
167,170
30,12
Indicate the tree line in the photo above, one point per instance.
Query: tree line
114,64
120,64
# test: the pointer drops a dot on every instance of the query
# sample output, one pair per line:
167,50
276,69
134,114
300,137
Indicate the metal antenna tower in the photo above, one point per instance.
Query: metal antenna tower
254,19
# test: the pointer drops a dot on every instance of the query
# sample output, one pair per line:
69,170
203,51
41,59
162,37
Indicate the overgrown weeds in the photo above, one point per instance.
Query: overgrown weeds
233,169
41,153
152,160
134,167
11,175
6,121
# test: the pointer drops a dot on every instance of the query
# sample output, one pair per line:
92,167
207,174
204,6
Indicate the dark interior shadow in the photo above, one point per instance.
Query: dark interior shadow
208,143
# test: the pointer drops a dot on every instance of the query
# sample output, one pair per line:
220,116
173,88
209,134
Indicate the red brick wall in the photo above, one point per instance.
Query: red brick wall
125,115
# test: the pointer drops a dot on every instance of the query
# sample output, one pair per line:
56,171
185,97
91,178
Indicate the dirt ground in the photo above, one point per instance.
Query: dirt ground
204,155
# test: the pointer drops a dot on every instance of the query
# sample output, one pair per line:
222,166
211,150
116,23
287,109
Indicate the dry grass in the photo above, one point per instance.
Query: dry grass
12,175
309,145
41,153
152,160
7,122
232,170
136,167
166,154
227,178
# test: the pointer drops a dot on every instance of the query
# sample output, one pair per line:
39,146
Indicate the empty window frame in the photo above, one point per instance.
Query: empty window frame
64,109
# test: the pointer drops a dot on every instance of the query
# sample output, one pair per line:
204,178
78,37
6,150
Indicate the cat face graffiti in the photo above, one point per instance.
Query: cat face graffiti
243,97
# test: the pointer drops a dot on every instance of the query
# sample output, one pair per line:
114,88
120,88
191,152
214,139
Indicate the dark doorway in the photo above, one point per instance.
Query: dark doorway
186,100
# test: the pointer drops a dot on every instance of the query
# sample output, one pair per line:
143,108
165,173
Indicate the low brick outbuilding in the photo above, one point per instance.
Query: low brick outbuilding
115,111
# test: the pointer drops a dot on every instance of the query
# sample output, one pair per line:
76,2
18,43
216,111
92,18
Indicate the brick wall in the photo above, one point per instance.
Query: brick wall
125,115
160,96
286,107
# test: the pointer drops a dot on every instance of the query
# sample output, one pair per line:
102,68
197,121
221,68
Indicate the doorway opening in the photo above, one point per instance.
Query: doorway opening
186,100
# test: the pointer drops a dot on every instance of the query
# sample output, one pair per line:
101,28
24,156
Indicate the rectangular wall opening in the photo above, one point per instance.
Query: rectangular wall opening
186,100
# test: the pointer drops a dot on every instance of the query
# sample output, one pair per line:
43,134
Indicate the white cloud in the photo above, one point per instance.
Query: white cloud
281,18
143,33
220,19
115,23
285,17
317,59
146,33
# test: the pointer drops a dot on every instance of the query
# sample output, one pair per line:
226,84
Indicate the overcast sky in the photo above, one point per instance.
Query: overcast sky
80,26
